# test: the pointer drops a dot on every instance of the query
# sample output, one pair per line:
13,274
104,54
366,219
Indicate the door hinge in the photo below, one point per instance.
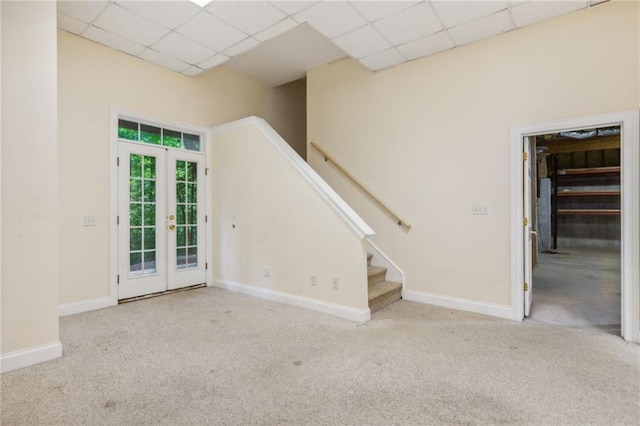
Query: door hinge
526,286
206,171
118,220
118,280
206,266
525,221
118,161
206,218
525,156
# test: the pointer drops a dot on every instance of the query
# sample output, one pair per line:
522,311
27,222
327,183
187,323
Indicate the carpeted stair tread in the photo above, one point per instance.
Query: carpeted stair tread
383,294
376,274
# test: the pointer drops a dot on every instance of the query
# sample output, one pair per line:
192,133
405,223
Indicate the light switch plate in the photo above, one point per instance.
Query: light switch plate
479,210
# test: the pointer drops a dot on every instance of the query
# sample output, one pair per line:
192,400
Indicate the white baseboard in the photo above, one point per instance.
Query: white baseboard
85,306
499,311
346,312
31,356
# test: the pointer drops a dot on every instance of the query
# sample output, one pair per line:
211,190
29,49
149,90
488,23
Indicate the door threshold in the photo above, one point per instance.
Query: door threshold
160,293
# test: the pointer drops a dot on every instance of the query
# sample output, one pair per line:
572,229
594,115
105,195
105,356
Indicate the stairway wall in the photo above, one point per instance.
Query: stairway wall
266,215
432,139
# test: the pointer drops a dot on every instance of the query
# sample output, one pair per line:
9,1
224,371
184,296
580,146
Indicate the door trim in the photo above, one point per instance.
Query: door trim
629,122
114,114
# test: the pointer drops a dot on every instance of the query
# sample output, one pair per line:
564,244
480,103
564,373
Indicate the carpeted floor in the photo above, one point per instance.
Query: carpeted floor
210,356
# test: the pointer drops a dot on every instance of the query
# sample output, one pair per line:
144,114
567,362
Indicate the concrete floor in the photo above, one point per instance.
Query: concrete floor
578,287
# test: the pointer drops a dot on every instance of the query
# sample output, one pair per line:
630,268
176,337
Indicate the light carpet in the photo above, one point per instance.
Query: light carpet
209,356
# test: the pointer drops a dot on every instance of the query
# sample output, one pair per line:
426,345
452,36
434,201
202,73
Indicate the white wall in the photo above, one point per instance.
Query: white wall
92,79
432,138
267,216
29,182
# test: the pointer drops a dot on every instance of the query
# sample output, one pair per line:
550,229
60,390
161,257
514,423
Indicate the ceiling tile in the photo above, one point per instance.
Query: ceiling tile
382,60
277,29
163,60
293,6
481,28
362,42
243,46
111,40
211,31
435,43
193,71
214,61
411,24
248,16
374,10
70,24
454,13
533,12
179,47
331,18
127,24
170,14
85,11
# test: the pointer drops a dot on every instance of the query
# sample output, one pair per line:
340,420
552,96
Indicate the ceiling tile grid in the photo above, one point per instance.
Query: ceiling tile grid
187,38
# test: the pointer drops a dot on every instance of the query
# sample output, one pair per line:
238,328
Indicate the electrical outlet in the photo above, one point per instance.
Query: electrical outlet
335,283
90,221
480,210
267,272
314,280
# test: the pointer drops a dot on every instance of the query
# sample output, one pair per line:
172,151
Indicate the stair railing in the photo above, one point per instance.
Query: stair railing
401,222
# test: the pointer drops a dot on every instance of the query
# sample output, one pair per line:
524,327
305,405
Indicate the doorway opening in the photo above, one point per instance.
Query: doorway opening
524,234
576,212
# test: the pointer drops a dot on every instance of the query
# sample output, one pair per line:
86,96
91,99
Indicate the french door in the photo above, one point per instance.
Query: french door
161,231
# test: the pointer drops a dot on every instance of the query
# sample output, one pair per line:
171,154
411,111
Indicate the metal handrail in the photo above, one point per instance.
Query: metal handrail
397,218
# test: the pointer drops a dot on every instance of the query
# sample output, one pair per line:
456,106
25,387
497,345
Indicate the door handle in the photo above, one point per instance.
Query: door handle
172,227
171,217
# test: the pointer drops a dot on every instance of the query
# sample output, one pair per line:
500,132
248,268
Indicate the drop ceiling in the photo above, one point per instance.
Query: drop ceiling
278,41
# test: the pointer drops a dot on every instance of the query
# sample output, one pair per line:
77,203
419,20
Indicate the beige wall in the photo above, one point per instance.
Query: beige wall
432,137
285,110
29,170
269,217
91,79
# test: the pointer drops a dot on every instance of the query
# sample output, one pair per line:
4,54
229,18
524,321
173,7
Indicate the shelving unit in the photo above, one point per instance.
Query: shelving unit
590,191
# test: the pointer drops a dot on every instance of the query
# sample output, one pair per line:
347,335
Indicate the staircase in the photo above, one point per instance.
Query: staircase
382,293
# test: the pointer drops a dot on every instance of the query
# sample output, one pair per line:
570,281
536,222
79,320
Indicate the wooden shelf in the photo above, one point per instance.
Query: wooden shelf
588,194
589,171
599,212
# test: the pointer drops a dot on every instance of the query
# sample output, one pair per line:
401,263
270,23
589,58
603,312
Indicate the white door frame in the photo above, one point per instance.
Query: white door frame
115,114
629,122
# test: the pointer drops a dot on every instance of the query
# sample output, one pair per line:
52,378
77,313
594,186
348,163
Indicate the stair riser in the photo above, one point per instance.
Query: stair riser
385,300
377,278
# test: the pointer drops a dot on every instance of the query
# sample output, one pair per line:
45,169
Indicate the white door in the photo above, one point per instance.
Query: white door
161,219
528,221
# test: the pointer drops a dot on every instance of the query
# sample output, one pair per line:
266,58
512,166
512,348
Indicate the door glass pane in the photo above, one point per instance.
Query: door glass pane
150,214
149,262
186,213
135,214
135,166
135,262
142,215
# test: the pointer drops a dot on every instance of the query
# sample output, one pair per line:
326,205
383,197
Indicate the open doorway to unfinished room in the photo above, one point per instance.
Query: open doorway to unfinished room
576,194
